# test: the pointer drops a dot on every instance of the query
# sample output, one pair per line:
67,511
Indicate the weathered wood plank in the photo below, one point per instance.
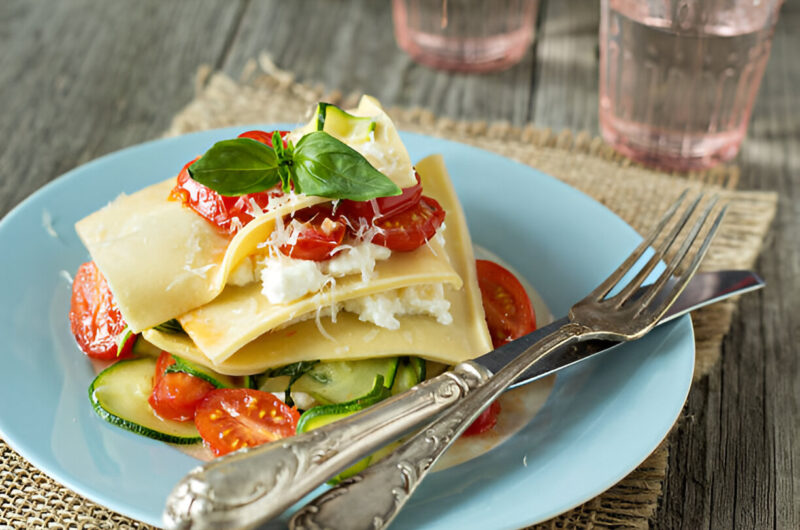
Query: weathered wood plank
565,94
81,78
350,46
735,462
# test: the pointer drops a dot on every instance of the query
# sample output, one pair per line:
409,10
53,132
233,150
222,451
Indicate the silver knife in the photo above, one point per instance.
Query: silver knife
257,484
704,289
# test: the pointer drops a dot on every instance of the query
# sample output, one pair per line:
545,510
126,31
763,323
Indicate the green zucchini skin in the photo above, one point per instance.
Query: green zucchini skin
206,374
322,415
332,119
410,372
316,417
119,395
337,381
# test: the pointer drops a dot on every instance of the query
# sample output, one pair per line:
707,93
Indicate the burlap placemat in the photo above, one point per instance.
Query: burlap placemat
264,94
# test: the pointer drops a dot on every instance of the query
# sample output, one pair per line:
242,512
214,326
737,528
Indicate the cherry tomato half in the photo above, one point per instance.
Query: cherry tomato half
94,317
485,422
232,418
385,206
265,137
319,234
226,213
410,229
176,395
165,360
509,313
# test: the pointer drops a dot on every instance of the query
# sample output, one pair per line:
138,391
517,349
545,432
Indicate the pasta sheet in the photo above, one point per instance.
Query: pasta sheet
349,338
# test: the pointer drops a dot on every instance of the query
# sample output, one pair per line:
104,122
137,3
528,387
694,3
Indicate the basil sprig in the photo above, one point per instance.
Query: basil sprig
295,371
318,165
170,326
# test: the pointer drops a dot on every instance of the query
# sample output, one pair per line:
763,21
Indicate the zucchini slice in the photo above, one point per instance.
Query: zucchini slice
142,347
316,417
324,414
119,395
337,381
410,371
206,374
250,382
341,124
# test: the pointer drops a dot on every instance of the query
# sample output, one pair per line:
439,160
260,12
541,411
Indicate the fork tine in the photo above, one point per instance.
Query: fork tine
657,256
613,279
683,279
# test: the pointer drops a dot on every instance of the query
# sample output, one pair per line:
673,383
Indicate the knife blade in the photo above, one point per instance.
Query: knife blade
704,289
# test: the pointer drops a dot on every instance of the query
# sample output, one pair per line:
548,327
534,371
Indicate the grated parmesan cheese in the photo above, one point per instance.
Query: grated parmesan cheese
198,271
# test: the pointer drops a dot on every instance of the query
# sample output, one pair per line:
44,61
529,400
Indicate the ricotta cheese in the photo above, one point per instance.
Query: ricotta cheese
359,258
383,309
285,279
243,274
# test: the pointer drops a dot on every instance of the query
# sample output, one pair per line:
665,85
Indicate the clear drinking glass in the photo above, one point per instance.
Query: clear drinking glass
678,78
465,35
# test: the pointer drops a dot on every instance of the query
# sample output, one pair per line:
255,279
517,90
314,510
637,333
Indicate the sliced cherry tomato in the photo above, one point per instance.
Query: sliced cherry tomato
94,317
485,422
232,418
165,360
509,313
318,233
383,206
227,213
410,229
176,395
265,137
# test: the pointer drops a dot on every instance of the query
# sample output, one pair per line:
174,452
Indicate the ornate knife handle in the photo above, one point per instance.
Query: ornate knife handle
256,484
374,497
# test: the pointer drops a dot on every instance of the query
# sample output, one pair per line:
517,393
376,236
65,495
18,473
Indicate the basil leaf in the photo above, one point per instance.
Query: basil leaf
295,371
327,167
237,167
170,326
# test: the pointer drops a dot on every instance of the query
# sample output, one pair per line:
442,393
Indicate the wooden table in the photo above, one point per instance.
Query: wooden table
82,78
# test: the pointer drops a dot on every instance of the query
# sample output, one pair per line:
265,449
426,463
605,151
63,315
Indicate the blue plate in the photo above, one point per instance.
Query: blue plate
602,419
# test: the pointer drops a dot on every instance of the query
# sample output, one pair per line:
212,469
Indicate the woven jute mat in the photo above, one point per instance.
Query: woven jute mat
264,94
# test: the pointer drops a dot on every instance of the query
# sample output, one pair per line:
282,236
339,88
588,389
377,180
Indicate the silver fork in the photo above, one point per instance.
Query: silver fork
373,498
258,483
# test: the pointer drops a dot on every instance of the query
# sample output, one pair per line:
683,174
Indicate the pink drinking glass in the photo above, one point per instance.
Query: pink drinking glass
678,78
465,35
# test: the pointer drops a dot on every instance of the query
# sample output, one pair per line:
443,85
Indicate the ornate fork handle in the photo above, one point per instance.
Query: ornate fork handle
373,498
256,484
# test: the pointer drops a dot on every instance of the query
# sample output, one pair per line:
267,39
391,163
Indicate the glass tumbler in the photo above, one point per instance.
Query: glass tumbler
678,78
465,35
